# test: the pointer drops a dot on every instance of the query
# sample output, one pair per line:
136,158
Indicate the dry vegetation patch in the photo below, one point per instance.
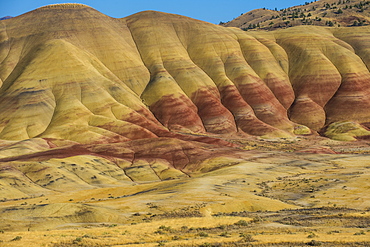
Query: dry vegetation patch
269,197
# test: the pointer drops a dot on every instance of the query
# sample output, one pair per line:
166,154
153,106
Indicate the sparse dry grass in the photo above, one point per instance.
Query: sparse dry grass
270,198
282,228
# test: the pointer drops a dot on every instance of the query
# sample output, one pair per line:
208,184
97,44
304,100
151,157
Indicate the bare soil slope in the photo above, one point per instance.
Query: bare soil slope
96,79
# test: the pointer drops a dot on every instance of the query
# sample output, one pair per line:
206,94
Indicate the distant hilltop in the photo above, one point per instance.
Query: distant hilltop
5,17
331,13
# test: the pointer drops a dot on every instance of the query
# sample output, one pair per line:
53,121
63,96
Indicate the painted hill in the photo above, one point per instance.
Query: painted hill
166,91
332,13
156,115
95,79
170,89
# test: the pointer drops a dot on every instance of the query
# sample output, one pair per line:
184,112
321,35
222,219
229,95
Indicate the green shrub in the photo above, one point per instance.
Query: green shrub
17,238
241,223
312,235
247,237
203,234
360,233
314,243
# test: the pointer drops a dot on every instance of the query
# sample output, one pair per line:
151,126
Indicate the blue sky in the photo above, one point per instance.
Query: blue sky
212,11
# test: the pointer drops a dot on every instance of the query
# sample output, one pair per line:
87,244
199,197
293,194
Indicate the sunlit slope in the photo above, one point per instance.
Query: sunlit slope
329,78
70,72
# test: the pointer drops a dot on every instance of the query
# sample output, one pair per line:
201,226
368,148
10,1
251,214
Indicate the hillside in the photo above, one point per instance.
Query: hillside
331,13
158,118
128,89
95,79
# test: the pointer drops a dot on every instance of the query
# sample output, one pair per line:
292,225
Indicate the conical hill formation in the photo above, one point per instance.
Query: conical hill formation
161,93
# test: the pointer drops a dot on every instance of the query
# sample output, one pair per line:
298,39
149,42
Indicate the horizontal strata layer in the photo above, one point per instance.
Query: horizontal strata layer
69,72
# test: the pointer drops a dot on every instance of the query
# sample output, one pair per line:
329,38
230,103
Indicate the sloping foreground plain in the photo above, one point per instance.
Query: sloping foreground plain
267,197
158,129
